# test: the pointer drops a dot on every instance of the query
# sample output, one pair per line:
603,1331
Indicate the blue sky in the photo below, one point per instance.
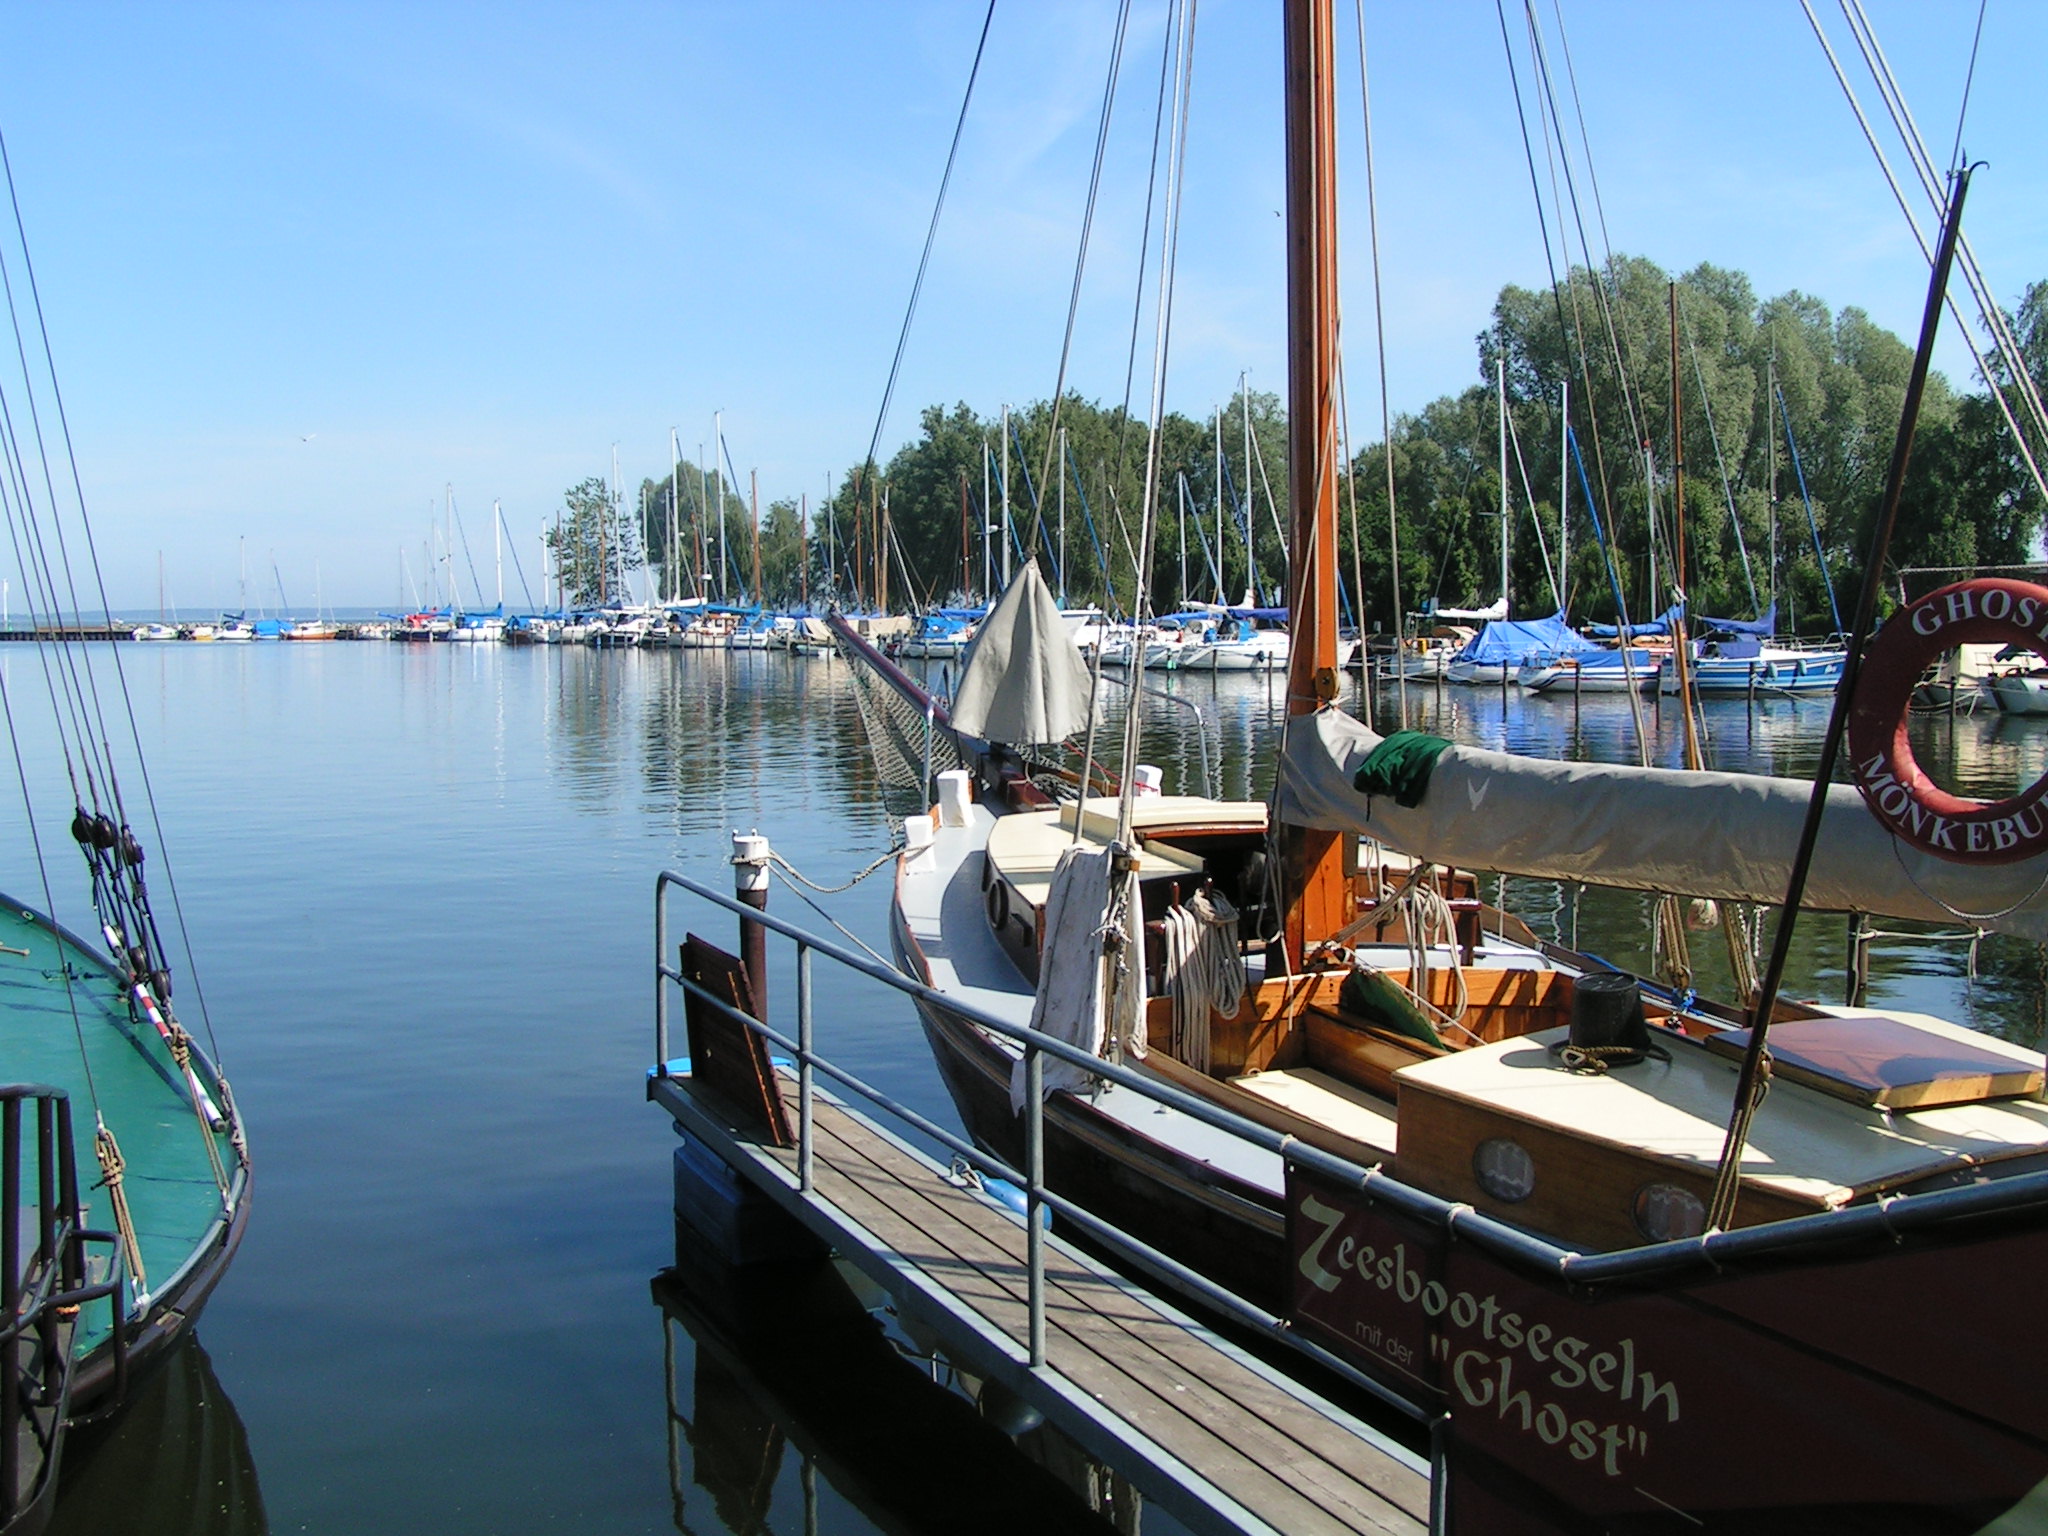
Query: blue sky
305,266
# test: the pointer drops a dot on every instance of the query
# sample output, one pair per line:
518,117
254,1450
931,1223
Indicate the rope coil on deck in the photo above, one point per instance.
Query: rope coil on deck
112,1167
1204,971
1430,922
1595,1060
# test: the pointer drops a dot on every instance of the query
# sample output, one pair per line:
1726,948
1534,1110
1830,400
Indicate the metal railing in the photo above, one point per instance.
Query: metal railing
40,1286
1885,1220
1039,1198
1201,731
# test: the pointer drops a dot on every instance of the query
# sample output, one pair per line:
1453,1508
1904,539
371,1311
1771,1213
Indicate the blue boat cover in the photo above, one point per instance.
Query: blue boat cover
1512,642
1190,615
1660,625
1762,628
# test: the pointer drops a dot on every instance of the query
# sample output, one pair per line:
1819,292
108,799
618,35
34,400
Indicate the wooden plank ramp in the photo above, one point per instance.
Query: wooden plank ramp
1218,1438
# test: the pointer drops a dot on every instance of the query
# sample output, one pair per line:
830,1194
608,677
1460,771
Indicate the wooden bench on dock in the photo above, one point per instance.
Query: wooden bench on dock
1222,1441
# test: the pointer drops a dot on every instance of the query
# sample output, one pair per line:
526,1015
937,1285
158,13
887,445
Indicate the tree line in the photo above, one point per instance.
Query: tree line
1787,413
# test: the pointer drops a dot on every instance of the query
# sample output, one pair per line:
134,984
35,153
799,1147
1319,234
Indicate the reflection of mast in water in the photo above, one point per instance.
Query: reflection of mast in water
177,1459
788,1356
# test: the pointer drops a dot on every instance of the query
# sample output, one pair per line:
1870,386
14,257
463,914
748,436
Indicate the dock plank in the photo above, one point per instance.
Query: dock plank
1237,1395
1150,1405
1247,1391
1259,1444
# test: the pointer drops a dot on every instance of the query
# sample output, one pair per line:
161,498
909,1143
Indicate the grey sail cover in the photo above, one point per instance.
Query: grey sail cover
1729,836
1024,682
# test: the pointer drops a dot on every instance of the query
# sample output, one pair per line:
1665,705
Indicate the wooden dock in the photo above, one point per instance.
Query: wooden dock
56,632
1219,1439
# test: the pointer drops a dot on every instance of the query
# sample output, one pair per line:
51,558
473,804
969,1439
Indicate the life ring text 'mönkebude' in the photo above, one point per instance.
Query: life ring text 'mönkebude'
1985,611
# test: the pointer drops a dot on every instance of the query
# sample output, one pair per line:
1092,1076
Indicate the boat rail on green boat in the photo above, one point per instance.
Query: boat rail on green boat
156,1124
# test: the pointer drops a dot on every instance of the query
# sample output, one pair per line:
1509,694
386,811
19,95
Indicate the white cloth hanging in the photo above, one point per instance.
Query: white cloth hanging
1069,1004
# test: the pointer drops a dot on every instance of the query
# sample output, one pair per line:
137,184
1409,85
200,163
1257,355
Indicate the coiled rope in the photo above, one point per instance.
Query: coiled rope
1204,971
1430,922
112,1167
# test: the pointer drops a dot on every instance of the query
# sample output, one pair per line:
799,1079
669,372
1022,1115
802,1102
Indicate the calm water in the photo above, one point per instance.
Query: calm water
419,880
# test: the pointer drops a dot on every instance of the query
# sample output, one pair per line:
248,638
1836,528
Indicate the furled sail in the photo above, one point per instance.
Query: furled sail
1024,682
1725,835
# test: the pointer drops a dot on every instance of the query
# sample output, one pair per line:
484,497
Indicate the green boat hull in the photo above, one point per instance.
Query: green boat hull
69,1018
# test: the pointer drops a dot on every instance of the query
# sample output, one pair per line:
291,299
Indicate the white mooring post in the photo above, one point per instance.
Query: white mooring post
750,885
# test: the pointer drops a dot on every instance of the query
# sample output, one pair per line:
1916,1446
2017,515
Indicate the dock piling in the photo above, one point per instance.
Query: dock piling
750,885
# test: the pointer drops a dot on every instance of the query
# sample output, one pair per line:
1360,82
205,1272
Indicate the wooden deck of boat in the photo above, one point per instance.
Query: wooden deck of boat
1222,1441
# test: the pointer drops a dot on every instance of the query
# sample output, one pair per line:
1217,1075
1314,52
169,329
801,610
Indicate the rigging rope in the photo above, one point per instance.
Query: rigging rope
113,853
1379,322
1529,495
924,259
181,1053
1148,511
1993,314
1720,463
1676,966
1932,184
1572,330
1167,52
1116,54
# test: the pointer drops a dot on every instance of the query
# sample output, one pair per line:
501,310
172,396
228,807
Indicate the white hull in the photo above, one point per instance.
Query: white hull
1479,673
2021,693
1566,677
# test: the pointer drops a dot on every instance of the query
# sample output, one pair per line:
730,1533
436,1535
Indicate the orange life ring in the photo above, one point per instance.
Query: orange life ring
1987,611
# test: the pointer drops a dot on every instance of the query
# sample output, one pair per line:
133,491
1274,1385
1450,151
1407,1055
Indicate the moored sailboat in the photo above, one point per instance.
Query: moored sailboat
124,1172
1576,1229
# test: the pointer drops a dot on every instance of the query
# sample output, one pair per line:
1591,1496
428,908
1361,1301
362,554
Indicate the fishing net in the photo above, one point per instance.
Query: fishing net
909,745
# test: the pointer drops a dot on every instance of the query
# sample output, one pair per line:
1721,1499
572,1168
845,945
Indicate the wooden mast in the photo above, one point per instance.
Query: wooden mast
1681,627
1317,893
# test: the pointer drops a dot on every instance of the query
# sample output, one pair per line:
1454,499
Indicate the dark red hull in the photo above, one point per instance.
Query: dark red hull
1887,1385
1895,1385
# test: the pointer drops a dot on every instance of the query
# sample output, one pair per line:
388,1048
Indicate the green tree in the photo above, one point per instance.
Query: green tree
594,548
714,560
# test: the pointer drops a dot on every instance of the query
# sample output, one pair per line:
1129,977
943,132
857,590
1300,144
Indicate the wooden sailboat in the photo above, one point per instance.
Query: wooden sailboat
1558,1239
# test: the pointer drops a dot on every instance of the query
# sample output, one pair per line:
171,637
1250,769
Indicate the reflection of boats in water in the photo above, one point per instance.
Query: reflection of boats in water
788,1356
177,1459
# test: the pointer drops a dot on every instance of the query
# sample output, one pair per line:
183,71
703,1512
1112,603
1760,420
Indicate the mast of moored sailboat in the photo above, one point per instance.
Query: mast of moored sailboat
1681,660
1500,380
675,517
1315,892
